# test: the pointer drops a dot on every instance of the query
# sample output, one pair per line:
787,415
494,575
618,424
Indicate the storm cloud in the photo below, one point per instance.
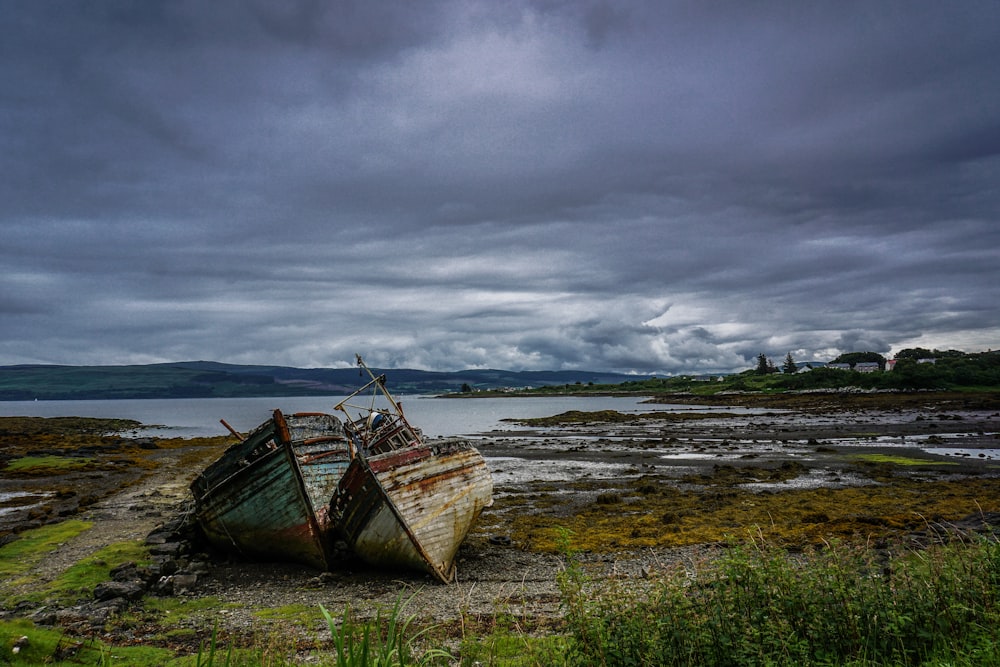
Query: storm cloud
650,187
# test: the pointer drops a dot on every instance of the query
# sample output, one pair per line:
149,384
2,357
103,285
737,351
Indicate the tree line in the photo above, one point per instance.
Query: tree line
915,368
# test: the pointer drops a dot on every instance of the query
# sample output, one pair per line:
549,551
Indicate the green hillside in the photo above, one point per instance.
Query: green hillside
203,379
913,370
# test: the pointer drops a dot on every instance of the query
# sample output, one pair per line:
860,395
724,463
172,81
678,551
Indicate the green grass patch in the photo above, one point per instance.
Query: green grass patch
900,460
185,606
37,465
78,581
52,646
304,616
505,648
23,554
174,611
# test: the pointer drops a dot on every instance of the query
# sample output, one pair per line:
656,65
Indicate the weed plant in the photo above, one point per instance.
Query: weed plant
760,605
385,641
382,642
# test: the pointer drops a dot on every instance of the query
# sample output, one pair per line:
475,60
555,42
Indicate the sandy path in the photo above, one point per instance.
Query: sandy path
130,514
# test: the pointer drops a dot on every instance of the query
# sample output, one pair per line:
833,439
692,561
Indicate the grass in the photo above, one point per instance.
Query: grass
513,649
183,607
52,646
176,618
656,512
509,640
900,460
755,604
20,556
385,641
78,581
46,465
301,615
759,605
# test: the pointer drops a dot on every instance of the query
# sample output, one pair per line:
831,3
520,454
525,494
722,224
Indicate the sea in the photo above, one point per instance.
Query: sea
437,417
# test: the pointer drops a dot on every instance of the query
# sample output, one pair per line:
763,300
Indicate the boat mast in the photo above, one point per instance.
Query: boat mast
376,384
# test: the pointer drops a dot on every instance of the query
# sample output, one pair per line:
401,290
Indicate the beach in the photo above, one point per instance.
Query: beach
628,496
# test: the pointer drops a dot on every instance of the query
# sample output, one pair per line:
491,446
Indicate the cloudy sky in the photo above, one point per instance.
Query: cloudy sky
561,184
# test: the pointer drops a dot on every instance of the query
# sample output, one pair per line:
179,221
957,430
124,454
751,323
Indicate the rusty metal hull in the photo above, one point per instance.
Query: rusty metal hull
267,496
413,507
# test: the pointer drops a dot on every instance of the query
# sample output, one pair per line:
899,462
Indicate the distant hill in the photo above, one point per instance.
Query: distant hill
204,379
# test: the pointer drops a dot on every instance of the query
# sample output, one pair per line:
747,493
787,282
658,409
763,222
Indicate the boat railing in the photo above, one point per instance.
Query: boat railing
376,428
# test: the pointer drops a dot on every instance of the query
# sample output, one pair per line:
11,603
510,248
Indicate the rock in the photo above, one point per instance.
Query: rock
168,567
165,549
320,580
70,615
198,567
184,583
23,607
43,616
175,525
99,613
175,584
129,590
151,572
68,510
125,572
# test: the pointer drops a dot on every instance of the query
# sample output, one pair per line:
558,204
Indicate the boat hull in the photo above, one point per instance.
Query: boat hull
413,507
267,496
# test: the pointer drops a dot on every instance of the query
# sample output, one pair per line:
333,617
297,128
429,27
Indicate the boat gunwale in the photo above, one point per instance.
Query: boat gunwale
213,502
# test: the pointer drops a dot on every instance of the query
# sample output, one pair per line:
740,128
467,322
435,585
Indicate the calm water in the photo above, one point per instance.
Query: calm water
188,417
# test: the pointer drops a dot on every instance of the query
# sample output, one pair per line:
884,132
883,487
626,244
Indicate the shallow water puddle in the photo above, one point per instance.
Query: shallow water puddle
514,470
13,501
988,454
814,479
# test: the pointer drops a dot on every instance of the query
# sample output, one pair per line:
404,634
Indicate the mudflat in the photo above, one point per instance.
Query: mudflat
628,494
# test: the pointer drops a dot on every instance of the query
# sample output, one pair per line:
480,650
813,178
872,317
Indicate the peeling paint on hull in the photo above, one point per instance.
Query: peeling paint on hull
412,507
267,496
284,491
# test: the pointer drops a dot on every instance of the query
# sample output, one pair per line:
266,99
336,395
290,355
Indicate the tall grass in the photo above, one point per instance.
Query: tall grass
758,605
382,642
388,640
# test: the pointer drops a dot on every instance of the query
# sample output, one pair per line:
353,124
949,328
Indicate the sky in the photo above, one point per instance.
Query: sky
645,187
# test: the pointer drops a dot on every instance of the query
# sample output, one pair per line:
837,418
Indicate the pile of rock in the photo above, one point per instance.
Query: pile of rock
174,570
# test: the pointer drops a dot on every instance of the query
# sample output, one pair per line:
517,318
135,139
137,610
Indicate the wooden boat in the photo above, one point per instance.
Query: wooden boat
268,495
404,502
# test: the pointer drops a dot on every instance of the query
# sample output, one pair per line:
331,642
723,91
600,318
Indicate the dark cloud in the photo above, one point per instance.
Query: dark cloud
640,186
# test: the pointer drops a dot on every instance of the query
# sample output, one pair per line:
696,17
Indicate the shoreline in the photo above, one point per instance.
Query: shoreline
638,496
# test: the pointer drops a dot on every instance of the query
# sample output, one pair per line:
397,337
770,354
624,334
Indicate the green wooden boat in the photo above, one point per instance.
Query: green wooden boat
267,497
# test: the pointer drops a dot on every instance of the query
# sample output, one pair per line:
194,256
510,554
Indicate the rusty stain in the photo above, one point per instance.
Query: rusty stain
403,502
267,496
294,483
